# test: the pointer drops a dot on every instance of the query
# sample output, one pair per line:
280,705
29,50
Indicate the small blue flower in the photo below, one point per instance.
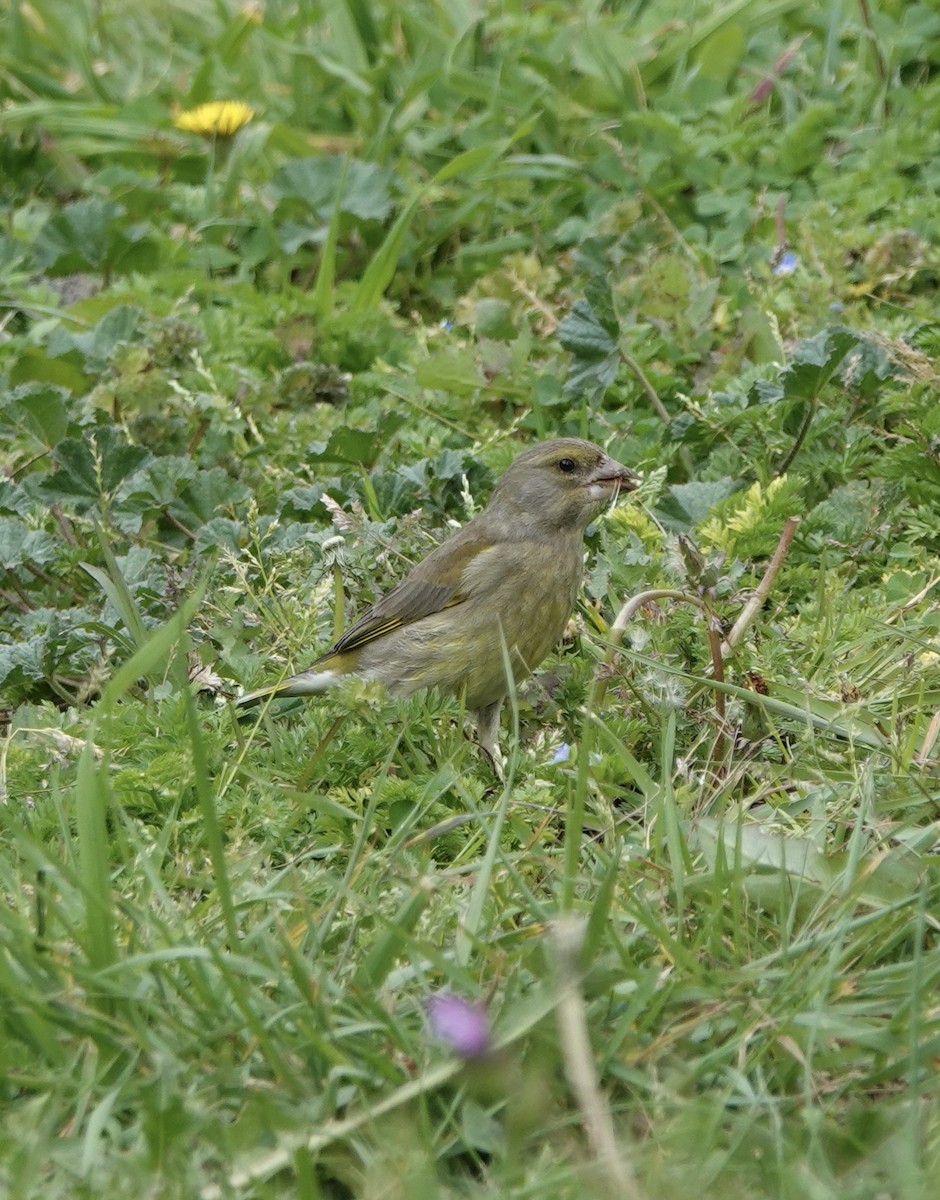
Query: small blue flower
786,264
562,754
447,325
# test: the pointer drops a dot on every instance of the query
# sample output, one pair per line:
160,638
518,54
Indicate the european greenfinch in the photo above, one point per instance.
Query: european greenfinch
480,613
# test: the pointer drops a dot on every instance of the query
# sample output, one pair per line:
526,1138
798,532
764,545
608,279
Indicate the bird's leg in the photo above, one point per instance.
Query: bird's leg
487,720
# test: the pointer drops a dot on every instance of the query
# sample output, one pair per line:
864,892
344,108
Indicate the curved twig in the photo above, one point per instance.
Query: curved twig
750,610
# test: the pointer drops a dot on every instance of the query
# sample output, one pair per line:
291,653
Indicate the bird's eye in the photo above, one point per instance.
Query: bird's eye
567,465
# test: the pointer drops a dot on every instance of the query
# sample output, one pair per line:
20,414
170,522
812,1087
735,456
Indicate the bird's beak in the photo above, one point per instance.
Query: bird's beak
609,478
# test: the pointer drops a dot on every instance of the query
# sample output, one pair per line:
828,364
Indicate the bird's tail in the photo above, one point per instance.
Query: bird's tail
306,683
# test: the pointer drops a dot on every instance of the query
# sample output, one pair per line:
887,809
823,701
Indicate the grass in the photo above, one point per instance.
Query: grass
245,383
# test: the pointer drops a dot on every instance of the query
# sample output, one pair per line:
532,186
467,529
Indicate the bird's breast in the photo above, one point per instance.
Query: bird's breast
516,601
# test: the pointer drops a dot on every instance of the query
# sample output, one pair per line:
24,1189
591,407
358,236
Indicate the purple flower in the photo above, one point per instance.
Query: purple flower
460,1023
562,754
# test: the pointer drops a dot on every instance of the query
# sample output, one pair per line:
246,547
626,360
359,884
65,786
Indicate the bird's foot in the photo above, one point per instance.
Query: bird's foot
487,734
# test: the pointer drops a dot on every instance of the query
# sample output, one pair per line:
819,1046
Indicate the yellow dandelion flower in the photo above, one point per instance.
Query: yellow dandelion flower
218,118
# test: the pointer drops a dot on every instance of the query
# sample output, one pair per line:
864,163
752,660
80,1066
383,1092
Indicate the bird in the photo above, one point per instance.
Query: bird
477,615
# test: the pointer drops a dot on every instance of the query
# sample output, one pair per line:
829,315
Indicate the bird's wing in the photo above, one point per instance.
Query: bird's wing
435,584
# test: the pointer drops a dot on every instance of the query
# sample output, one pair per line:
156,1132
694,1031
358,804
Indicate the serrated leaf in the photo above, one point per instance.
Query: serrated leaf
94,466
396,492
76,476
157,484
219,533
117,456
363,187
582,333
300,500
38,410
866,367
813,363
765,391
358,446
825,349
37,366
25,657
116,592
15,499
686,505
207,493
598,294
449,464
291,235
479,1129
589,332
587,378
115,327
84,232
19,544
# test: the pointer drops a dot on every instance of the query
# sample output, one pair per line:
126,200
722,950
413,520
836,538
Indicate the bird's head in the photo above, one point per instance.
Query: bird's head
560,484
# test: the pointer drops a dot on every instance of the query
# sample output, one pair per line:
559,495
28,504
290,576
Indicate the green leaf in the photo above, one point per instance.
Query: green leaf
720,54
94,466
153,655
590,378
479,1129
584,334
84,233
589,332
203,497
114,328
158,484
760,845
381,269
492,318
598,294
322,295
358,446
219,533
812,365
63,371
118,457
37,410
801,146
454,371
19,544
325,182
114,586
92,801
686,505
76,475
815,361
15,499
26,657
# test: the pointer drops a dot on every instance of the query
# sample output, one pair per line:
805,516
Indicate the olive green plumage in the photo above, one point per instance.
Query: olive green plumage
504,585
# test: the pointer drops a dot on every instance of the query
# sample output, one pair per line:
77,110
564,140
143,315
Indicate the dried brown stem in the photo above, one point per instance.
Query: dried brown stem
750,610
65,525
179,524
